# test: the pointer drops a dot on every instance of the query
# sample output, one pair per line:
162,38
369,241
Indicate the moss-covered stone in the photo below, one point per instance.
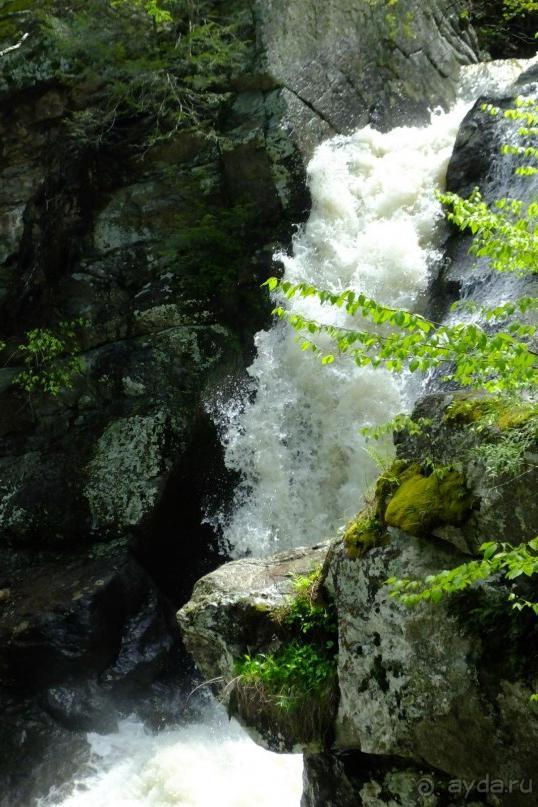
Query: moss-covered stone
422,502
516,417
364,533
467,409
496,412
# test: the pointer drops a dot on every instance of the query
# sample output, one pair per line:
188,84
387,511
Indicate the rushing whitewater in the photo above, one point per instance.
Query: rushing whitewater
374,227
207,764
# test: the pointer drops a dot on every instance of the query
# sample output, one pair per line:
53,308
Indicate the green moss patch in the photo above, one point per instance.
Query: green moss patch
422,502
364,533
467,410
495,412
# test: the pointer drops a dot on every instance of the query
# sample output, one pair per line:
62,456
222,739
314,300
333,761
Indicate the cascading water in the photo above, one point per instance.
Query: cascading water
211,763
374,227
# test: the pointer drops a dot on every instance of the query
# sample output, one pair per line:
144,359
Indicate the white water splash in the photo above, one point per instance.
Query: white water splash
198,765
374,228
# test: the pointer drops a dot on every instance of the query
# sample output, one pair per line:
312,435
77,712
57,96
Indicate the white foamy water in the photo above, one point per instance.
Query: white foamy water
374,228
209,764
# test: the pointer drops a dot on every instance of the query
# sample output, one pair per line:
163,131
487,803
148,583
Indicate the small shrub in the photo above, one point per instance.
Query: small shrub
508,429
51,359
169,73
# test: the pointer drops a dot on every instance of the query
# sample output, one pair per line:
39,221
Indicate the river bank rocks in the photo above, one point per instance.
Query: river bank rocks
80,635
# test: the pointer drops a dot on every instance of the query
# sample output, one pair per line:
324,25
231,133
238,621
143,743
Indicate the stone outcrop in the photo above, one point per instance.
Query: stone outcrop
347,64
79,636
228,607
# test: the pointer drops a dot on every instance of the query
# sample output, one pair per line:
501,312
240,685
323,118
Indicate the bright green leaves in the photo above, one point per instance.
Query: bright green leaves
353,304
465,352
514,7
271,283
296,672
497,559
507,234
152,8
51,358
305,665
400,423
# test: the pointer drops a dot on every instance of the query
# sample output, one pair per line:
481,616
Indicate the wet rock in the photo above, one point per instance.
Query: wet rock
80,636
81,617
233,612
28,732
349,779
477,162
345,64
436,692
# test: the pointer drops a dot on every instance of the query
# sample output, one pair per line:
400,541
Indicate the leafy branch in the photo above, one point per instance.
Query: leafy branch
498,559
466,352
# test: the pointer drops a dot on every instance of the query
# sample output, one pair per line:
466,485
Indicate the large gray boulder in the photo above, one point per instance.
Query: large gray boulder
428,694
344,64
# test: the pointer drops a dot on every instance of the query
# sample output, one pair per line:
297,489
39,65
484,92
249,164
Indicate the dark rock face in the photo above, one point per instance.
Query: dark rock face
93,233
79,636
477,162
353,779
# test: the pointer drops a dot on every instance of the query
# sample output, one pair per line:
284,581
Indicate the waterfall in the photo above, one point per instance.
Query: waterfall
293,434
375,227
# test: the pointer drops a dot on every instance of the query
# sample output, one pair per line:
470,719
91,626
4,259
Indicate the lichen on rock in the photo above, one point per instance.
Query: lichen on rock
127,472
241,610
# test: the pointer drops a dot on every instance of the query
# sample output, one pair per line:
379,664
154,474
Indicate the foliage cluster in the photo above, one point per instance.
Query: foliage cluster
51,358
296,672
304,668
498,560
166,63
505,27
466,353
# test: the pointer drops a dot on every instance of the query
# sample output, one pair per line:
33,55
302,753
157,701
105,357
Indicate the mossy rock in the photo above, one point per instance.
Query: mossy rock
423,503
500,413
364,533
466,410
